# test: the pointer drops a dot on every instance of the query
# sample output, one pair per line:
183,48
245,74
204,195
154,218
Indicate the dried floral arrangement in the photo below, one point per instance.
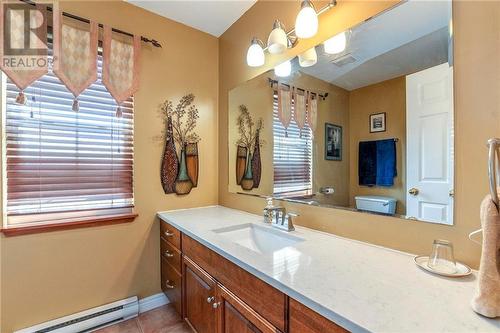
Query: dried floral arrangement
179,172
248,129
183,131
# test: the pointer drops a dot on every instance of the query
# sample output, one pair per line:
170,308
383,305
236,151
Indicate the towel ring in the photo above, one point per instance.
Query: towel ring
493,170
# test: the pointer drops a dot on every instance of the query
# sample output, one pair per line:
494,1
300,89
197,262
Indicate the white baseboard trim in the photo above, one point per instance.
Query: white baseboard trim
152,302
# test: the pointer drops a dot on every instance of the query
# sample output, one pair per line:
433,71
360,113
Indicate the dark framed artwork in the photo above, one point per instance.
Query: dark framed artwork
333,142
377,122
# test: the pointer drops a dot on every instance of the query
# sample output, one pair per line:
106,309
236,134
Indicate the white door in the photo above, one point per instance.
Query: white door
429,137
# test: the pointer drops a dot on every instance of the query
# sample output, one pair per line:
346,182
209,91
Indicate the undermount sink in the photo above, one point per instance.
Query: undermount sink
257,238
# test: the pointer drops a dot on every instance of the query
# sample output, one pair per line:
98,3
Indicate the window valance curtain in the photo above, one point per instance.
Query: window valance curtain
75,52
299,104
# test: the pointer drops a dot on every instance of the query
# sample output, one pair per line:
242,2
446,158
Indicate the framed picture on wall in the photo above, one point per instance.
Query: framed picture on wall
333,142
377,122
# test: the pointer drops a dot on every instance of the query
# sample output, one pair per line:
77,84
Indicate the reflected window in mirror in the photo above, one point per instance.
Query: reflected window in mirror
293,156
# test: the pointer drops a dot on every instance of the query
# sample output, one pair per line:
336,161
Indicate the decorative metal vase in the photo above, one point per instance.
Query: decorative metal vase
169,162
256,164
241,162
247,181
183,184
192,162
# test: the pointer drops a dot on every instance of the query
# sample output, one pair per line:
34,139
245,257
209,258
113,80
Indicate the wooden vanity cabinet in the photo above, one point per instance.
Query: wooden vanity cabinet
236,316
199,298
213,295
170,261
304,320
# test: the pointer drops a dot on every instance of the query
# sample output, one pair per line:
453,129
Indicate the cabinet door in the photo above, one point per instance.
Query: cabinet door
235,316
199,298
305,320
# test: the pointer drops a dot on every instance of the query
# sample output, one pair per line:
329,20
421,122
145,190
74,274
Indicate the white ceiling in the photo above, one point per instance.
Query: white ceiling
213,17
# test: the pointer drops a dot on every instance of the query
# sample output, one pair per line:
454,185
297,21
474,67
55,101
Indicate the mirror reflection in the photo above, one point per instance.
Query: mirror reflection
363,121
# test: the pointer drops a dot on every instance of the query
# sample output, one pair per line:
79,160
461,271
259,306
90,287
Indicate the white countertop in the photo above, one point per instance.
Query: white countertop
362,287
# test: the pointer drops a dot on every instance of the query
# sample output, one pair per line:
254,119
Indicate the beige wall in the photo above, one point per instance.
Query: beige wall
45,276
477,118
389,97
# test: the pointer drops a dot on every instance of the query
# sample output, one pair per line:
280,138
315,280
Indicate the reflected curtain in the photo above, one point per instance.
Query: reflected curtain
300,109
312,111
285,94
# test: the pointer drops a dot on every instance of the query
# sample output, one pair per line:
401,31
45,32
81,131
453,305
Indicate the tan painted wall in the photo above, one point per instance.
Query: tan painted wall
477,117
45,276
389,97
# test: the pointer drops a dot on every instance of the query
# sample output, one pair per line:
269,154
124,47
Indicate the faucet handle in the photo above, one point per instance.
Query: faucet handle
289,220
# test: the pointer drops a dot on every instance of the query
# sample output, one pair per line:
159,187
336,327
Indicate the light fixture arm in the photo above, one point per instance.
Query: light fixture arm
292,39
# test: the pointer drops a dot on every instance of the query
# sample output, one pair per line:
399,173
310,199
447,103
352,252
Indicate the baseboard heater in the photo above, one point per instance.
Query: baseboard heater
89,320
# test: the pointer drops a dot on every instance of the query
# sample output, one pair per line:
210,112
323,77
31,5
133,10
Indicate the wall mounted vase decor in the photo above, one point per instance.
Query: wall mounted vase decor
248,163
180,174
169,161
241,163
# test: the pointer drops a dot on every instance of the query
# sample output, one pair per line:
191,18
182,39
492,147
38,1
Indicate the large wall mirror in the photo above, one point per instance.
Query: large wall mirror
363,121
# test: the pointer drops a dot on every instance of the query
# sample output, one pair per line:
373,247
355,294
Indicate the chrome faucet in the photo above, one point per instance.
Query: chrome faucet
281,219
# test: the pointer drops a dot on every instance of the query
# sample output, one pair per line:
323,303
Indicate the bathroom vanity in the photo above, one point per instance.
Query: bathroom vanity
227,271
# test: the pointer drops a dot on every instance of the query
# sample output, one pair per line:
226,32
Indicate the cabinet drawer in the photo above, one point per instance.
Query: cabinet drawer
267,301
170,234
171,255
171,283
305,320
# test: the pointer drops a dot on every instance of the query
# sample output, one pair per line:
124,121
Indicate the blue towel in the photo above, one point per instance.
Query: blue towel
386,162
367,163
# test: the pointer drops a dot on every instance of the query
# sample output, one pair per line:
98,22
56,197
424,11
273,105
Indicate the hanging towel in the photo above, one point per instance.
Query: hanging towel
386,162
367,163
486,300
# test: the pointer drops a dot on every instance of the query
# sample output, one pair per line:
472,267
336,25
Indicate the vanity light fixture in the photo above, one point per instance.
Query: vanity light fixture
336,44
284,69
308,58
255,53
278,41
306,23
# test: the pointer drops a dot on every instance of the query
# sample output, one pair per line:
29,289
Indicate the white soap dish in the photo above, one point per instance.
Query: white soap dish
462,269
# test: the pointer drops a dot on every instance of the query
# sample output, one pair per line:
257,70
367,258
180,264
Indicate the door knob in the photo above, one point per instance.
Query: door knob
452,193
210,299
413,191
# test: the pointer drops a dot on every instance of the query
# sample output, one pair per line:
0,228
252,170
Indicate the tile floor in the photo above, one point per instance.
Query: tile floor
160,320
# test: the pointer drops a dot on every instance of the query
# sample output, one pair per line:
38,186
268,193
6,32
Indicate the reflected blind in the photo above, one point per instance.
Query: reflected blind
59,160
292,157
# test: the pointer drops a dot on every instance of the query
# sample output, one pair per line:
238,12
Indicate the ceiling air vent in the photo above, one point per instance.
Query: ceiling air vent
344,60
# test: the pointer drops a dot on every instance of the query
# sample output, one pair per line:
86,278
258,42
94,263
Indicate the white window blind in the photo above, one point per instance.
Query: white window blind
292,157
59,160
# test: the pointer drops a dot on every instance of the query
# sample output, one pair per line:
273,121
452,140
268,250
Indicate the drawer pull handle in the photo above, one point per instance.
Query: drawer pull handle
168,254
216,305
168,233
168,285
210,299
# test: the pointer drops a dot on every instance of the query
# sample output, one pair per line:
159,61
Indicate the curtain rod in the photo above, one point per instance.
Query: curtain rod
273,81
81,19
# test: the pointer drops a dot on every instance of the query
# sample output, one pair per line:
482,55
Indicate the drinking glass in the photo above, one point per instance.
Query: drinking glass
441,258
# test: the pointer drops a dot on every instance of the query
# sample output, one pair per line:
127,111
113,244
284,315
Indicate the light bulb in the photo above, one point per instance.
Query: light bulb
277,41
336,44
255,54
306,23
308,58
283,69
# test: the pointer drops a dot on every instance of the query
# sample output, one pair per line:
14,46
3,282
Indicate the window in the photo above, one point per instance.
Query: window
61,165
292,157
